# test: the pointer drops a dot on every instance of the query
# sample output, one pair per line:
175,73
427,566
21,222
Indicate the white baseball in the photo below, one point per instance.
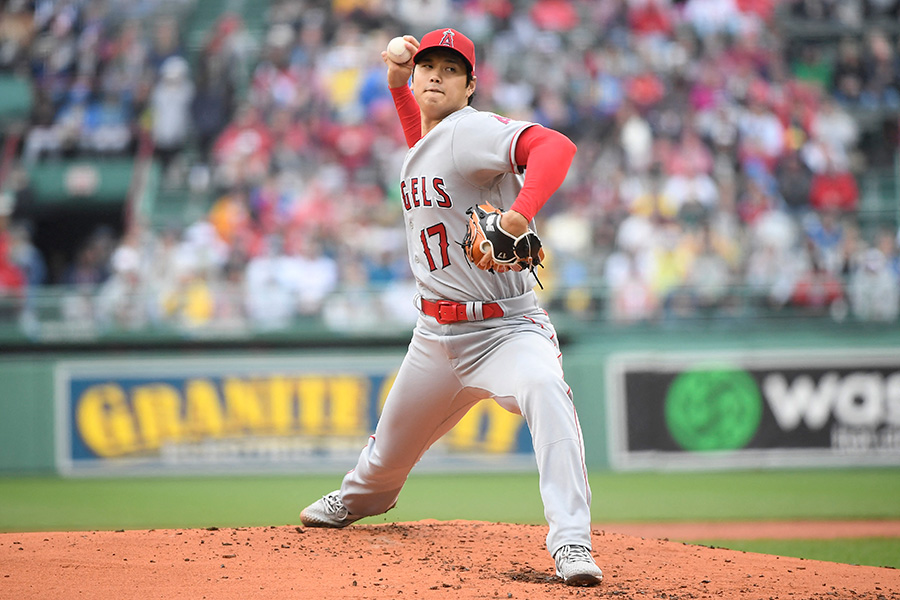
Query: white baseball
397,51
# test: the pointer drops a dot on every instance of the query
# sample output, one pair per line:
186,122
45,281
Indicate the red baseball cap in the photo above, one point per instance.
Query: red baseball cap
448,38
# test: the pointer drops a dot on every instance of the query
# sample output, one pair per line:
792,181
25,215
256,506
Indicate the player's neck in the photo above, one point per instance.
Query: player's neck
429,123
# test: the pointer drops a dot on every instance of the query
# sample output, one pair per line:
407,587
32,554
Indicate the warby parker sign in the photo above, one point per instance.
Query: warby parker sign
152,415
755,409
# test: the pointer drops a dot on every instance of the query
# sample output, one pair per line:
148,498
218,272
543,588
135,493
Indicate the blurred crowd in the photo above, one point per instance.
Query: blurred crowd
717,171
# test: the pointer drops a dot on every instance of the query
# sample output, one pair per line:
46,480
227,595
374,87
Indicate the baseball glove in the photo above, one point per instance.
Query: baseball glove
486,235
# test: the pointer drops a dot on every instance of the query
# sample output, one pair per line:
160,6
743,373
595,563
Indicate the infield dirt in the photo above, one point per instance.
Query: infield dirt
427,559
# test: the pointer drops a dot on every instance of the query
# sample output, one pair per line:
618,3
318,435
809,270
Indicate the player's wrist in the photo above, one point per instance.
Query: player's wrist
397,79
514,222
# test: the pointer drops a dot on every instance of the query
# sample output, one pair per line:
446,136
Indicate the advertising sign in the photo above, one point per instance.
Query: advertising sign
797,408
247,414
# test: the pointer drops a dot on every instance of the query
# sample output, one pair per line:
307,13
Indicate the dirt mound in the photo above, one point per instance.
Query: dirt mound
427,559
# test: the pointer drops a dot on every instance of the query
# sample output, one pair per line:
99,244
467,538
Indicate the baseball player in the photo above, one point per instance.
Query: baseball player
480,332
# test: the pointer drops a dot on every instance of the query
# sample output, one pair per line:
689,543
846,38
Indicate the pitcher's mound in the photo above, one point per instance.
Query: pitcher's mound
428,559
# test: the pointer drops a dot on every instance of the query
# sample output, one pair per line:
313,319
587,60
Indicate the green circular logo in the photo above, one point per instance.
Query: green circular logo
713,409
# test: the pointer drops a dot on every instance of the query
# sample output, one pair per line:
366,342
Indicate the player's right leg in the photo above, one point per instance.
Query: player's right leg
328,511
424,403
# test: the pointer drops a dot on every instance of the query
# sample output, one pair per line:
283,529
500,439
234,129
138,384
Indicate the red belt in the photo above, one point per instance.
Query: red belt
446,311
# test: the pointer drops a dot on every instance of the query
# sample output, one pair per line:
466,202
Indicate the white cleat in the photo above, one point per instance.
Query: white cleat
576,566
328,511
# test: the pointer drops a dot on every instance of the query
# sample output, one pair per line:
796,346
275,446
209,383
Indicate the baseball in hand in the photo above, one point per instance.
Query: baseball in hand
397,51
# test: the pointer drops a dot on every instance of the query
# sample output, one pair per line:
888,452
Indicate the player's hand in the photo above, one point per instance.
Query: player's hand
516,224
399,74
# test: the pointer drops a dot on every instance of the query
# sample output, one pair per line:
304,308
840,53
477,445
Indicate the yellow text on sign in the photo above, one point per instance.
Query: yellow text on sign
487,427
114,420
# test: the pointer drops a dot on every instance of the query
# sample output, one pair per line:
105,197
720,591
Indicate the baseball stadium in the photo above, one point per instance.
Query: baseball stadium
253,252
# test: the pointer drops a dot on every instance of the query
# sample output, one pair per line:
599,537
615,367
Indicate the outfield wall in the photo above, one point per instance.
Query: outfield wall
784,395
781,394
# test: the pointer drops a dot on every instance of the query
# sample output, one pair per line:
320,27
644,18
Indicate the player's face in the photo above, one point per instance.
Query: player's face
440,83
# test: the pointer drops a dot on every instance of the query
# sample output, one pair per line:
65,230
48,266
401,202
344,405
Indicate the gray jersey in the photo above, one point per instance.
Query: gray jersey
467,159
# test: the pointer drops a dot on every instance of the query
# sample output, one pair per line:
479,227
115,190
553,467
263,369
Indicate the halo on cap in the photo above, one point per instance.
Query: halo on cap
451,39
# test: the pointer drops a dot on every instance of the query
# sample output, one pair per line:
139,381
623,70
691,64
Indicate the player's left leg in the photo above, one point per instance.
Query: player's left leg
524,374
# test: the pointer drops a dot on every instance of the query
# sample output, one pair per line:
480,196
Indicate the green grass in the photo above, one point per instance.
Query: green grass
748,495
54,504
51,503
874,552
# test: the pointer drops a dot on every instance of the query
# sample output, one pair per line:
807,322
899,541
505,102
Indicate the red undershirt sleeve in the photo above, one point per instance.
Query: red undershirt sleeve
547,155
408,111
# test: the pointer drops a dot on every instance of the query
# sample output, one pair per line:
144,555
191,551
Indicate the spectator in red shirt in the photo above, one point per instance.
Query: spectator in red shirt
645,89
554,15
817,288
244,149
764,9
834,188
649,17
12,282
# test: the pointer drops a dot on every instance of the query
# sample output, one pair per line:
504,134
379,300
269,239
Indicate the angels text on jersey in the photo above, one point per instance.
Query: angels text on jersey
417,192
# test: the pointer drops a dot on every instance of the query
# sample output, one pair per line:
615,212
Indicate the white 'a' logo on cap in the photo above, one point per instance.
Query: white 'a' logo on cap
447,40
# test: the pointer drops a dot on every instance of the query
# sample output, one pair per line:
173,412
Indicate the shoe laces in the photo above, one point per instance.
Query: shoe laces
334,506
575,553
